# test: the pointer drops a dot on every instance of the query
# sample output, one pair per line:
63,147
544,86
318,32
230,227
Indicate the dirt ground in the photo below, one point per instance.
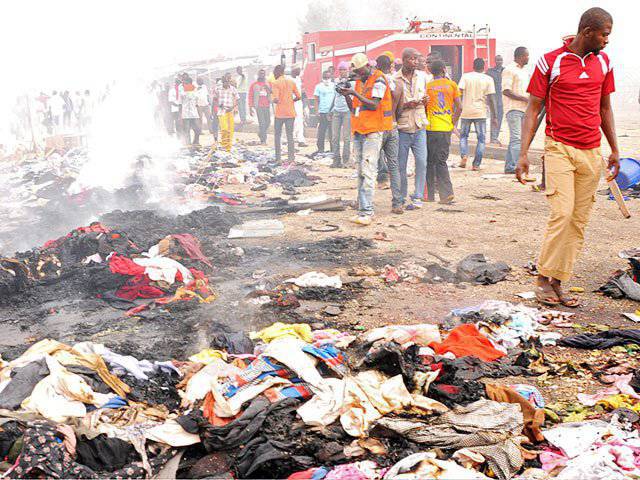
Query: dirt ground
495,216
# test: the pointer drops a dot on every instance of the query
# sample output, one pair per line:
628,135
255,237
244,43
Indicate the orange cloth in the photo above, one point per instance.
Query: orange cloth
533,417
366,121
467,341
284,90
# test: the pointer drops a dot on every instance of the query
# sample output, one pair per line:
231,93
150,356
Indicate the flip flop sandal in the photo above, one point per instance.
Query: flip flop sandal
570,302
325,228
546,297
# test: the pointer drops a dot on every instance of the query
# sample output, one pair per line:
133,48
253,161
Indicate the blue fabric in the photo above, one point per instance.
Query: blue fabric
417,143
116,402
480,126
325,94
514,120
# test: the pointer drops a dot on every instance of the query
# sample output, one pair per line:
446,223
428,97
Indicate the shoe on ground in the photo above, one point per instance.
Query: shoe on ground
447,201
415,205
397,210
384,184
363,220
475,169
463,163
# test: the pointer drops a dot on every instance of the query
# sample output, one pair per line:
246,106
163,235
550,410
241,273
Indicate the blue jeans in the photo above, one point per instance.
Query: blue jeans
366,150
417,142
514,120
480,126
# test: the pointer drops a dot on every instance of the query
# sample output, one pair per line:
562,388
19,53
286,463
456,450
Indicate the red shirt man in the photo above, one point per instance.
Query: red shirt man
573,83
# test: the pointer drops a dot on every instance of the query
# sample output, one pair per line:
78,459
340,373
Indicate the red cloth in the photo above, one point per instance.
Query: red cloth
572,88
124,266
138,287
467,341
94,227
191,245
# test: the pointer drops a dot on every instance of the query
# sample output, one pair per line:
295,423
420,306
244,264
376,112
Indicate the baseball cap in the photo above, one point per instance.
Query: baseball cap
359,60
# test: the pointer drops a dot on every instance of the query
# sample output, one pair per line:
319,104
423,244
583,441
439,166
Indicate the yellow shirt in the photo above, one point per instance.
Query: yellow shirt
516,79
441,94
476,87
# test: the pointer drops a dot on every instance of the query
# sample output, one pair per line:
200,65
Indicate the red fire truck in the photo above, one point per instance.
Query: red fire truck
458,48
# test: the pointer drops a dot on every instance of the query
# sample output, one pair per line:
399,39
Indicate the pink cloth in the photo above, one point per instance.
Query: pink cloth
620,385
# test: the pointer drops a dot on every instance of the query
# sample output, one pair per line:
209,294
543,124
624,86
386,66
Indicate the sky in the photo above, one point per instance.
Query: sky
60,43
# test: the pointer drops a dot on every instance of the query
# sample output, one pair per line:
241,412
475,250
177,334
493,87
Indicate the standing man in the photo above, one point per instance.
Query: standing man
285,95
203,103
496,113
241,87
389,150
371,104
260,105
324,96
412,121
443,110
514,88
341,123
56,108
299,109
227,106
174,106
477,88
574,83
190,115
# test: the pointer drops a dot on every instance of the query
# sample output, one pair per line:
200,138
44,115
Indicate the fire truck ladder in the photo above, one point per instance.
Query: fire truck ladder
481,44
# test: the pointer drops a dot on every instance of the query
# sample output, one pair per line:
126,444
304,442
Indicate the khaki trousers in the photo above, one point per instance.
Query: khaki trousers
572,177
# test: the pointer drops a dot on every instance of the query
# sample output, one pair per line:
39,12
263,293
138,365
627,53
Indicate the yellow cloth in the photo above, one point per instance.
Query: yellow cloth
280,330
207,356
516,79
476,87
226,128
441,94
572,177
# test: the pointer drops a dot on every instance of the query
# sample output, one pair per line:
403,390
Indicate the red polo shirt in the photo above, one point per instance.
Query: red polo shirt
572,88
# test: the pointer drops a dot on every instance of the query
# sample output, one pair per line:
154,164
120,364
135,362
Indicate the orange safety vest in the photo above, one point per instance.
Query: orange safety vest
365,120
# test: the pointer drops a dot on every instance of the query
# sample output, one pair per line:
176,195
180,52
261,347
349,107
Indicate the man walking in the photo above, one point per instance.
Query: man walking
260,105
298,125
227,106
514,88
324,95
241,87
412,121
190,114
476,87
285,95
574,83
173,95
371,104
443,110
498,112
341,123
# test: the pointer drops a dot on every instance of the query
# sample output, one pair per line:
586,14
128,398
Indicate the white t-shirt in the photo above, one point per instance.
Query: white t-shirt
202,93
476,87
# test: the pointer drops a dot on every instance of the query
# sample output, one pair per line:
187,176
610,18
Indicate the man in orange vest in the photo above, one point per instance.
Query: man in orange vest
371,108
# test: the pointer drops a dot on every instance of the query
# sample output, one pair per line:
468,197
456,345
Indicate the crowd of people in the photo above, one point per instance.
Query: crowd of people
63,111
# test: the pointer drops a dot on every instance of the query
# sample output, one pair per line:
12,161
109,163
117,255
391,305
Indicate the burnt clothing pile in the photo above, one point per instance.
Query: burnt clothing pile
624,284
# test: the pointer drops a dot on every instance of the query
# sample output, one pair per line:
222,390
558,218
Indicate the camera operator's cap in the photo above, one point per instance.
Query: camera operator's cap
343,65
359,60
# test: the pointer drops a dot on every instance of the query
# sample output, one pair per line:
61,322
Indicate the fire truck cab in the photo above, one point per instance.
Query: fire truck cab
458,48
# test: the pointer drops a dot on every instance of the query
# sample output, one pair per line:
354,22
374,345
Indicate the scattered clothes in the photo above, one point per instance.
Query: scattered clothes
236,343
607,462
280,330
484,422
366,470
602,340
426,465
191,246
317,473
475,268
531,393
316,279
405,335
533,417
621,385
466,340
104,454
23,380
574,439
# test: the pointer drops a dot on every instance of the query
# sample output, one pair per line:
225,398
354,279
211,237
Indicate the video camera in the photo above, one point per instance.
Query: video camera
346,83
